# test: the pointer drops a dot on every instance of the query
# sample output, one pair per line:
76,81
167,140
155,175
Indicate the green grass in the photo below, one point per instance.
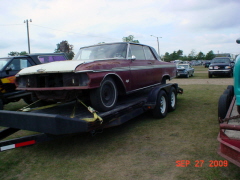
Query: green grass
143,148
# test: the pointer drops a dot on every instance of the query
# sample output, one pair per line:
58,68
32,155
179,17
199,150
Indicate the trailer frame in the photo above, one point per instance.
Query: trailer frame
53,123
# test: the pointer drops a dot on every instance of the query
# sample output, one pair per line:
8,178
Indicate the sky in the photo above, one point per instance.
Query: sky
180,24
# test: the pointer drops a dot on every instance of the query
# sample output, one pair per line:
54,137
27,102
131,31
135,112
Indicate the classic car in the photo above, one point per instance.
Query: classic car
100,72
220,66
185,70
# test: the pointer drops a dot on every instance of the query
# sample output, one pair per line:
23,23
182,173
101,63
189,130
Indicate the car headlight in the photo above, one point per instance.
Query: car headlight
210,67
227,67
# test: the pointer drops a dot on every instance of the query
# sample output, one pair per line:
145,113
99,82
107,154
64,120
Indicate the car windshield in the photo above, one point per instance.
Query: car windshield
221,60
182,66
3,62
104,51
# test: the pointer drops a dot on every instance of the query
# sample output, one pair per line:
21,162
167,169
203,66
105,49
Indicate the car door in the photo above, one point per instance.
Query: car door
15,65
10,70
141,69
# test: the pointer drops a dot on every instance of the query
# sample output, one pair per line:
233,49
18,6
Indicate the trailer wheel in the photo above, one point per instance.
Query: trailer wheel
223,105
1,104
104,98
231,89
172,97
228,92
161,108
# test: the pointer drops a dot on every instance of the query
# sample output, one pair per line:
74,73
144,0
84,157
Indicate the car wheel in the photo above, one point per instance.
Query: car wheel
161,108
104,98
223,105
187,76
172,97
230,74
209,75
164,81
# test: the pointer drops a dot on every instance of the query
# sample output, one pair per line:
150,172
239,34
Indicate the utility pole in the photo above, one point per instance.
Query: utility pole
157,43
26,21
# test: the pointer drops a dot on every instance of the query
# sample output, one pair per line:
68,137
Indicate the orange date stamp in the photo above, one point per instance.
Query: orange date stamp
201,163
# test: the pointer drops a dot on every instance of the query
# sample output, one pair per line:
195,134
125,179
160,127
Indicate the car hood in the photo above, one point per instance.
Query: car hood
219,64
53,67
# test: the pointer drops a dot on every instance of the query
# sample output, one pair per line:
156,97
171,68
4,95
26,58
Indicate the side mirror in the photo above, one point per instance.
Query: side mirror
8,68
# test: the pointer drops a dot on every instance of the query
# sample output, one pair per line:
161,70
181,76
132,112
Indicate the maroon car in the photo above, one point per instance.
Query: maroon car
100,72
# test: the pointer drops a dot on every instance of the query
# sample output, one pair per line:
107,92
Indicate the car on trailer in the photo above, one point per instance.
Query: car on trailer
99,73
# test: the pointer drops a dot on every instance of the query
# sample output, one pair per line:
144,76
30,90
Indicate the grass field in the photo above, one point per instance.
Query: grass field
143,148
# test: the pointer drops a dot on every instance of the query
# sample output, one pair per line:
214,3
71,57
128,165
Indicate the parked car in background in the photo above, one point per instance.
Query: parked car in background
99,72
220,66
185,70
207,64
10,66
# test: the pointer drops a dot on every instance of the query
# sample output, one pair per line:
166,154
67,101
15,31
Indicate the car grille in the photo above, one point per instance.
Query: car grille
52,80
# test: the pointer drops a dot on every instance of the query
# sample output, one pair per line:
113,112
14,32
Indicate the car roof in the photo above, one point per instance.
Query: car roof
115,43
33,54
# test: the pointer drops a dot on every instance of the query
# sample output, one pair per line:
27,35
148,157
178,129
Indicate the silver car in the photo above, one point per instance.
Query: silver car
185,70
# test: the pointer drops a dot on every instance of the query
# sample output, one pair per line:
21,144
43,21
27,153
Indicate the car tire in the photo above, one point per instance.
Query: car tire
104,98
209,75
223,105
172,97
187,76
161,108
231,74
164,80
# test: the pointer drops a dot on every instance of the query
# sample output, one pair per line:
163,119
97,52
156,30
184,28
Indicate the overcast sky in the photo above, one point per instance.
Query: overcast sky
202,25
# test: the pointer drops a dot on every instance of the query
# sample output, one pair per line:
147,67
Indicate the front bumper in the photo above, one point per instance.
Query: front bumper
182,74
220,72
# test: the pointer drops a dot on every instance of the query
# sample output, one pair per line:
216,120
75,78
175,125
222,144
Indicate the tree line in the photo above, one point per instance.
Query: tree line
191,56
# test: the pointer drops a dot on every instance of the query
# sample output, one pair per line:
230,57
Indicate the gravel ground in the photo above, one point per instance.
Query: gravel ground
216,81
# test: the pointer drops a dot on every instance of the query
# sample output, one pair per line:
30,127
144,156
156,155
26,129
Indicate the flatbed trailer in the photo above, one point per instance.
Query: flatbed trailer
73,117
229,123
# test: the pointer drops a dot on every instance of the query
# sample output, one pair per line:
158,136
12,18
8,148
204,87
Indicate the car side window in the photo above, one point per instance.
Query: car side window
137,51
18,64
46,59
148,53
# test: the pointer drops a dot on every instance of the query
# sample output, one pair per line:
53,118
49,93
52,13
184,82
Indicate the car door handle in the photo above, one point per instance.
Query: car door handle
149,62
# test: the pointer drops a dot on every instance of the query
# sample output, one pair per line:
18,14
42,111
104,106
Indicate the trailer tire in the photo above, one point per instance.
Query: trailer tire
231,89
223,105
104,98
161,108
1,104
172,97
228,92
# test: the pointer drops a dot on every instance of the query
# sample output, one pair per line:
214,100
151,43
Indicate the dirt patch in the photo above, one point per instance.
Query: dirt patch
215,81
